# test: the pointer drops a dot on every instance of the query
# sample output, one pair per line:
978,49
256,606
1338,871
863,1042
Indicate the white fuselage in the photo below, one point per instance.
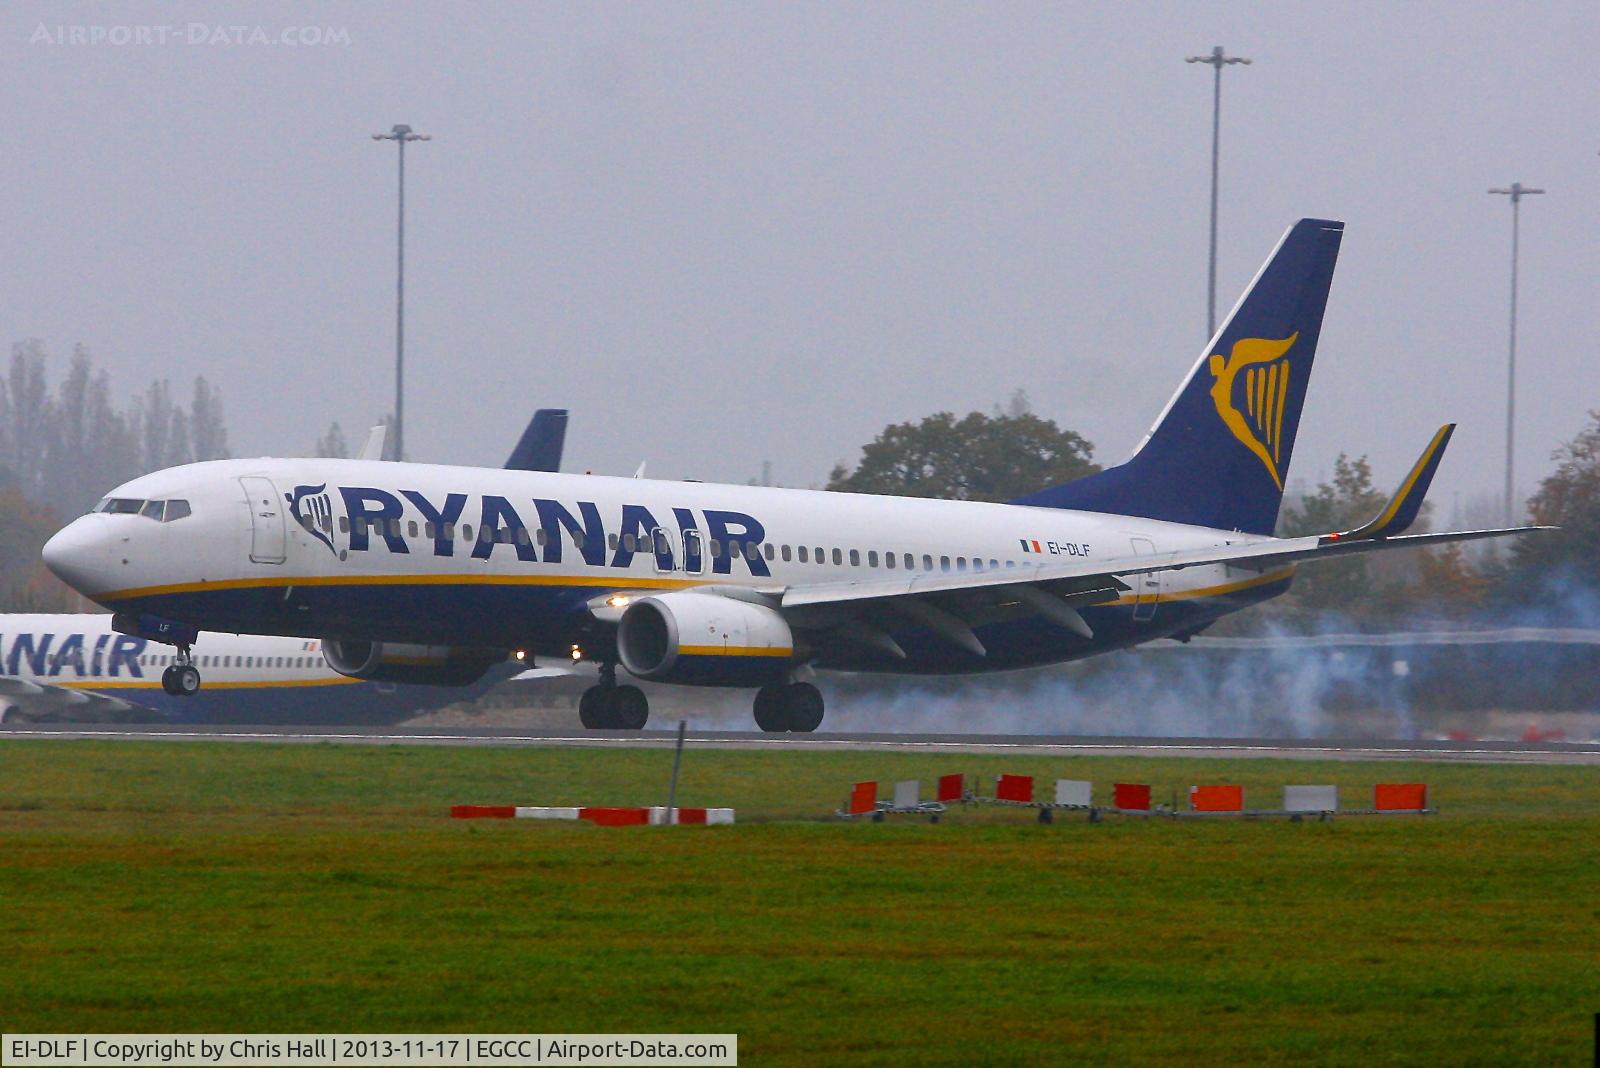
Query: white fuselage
487,557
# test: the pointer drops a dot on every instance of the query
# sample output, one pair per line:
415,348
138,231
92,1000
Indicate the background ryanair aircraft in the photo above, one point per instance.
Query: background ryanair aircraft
423,573
76,667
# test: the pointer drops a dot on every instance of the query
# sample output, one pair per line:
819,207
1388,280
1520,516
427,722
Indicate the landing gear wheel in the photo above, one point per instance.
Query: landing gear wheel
630,708
185,680
593,707
802,707
769,710
181,679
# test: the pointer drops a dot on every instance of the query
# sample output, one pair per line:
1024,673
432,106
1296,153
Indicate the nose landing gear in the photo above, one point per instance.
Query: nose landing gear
182,678
796,706
612,707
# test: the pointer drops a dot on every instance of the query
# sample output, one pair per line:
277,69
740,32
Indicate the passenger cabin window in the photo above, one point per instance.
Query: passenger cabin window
888,561
838,556
961,564
911,563
802,551
872,558
822,557
927,562
944,563
628,543
466,531
787,554
412,527
344,524
771,550
615,541
855,557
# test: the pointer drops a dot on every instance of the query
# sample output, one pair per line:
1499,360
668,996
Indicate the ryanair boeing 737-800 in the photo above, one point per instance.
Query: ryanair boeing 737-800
418,572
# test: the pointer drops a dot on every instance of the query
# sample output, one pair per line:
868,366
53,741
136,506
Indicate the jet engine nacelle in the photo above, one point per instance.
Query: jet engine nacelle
704,639
422,665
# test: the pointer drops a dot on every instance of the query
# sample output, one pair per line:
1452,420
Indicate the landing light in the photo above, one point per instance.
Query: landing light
520,654
618,600
577,653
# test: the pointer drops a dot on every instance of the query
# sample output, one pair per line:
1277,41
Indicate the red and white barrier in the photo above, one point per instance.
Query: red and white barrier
1216,799
1222,799
1311,799
600,816
1014,789
1074,793
863,800
1130,797
1400,797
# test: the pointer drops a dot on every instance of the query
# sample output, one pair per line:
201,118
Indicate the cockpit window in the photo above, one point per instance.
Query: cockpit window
160,511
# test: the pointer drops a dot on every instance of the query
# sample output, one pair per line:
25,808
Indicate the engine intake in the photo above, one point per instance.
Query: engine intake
422,665
704,639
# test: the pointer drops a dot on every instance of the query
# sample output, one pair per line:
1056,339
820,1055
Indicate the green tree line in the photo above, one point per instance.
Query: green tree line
63,446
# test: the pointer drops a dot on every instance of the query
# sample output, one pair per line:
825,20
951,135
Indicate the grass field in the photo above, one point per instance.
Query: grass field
229,887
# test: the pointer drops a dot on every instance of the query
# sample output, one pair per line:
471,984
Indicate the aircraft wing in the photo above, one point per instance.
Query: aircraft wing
1097,574
947,601
33,697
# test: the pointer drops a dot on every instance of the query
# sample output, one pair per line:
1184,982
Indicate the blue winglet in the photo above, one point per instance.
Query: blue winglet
1402,509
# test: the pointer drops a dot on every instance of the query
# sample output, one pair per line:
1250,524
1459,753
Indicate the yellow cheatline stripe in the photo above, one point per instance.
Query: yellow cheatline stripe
733,650
155,684
278,582
1378,525
1210,591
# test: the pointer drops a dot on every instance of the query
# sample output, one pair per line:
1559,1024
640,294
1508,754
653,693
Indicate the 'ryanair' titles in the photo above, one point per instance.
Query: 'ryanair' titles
374,516
74,656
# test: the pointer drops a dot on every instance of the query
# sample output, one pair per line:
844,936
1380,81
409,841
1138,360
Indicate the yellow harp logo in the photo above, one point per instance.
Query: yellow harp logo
1265,374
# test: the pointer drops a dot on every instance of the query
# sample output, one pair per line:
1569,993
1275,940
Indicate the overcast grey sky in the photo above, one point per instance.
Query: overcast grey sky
723,233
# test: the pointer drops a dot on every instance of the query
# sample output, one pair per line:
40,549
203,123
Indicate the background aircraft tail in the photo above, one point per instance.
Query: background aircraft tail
1217,455
541,444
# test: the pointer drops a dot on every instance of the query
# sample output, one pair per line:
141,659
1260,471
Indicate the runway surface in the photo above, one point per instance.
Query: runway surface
1495,752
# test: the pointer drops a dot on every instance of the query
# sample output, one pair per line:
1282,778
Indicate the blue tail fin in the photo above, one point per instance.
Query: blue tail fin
539,448
1217,456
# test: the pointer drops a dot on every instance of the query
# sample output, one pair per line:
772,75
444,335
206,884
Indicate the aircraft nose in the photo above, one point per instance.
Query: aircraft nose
79,553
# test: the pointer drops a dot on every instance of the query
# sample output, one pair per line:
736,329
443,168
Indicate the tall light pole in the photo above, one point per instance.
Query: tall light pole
1516,193
1217,59
400,135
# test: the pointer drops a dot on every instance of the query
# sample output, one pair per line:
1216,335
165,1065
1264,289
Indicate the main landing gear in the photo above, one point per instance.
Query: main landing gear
182,678
796,706
612,707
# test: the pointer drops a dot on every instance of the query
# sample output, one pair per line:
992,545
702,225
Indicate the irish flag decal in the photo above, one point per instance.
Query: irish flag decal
1030,546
